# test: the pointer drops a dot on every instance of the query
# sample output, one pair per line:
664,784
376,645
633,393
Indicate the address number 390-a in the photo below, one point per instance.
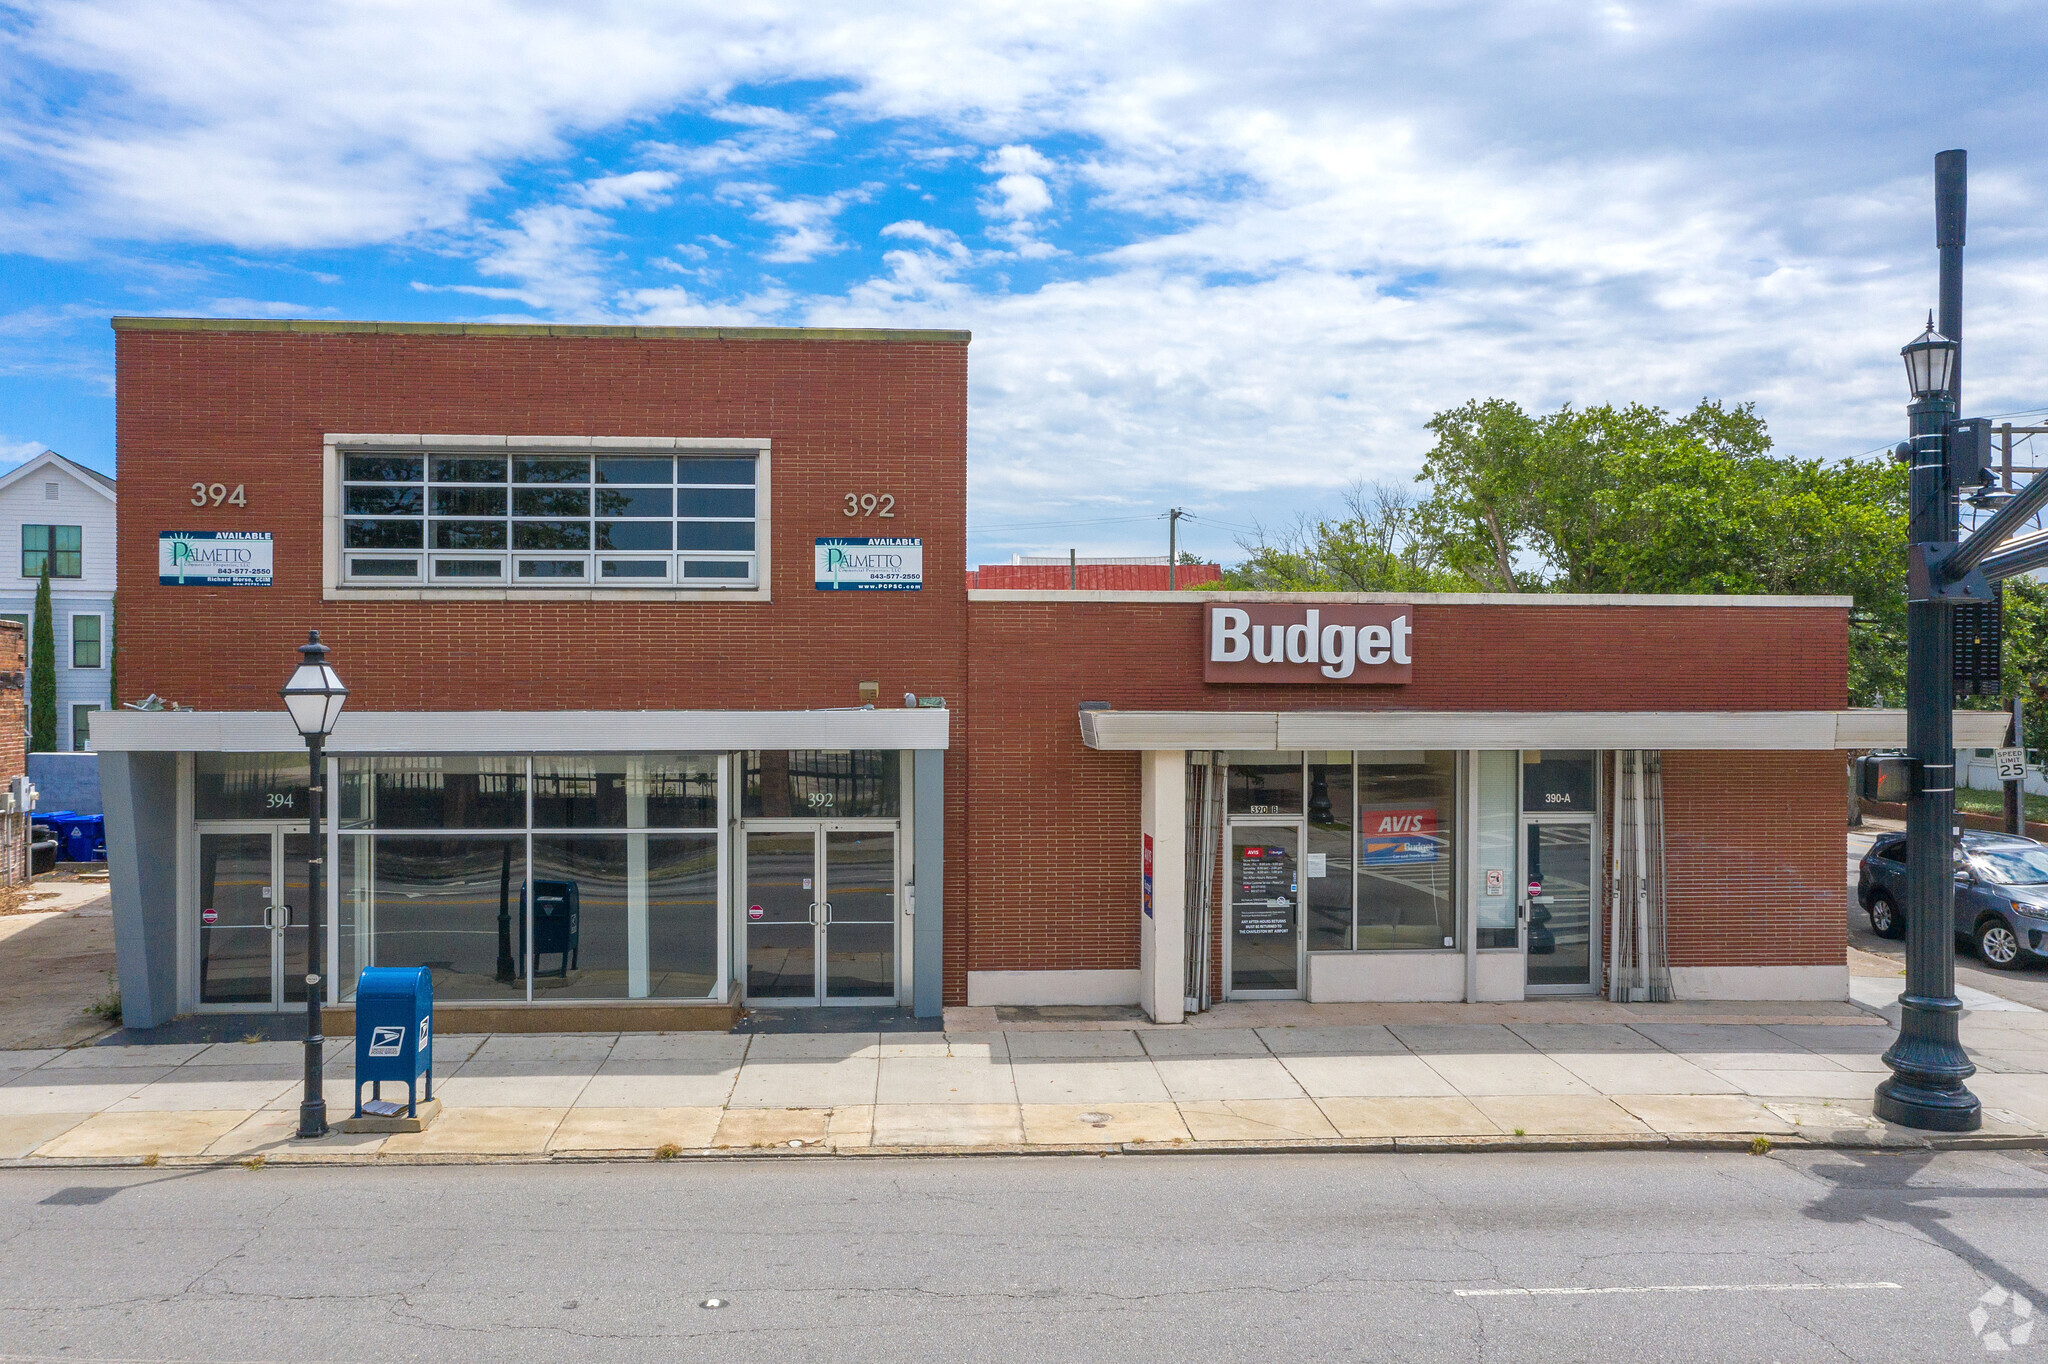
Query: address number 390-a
215,494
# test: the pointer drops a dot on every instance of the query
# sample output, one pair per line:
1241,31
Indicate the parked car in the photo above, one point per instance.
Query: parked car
2001,894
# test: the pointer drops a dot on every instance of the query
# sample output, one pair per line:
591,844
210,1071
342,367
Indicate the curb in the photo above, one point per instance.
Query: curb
1446,1145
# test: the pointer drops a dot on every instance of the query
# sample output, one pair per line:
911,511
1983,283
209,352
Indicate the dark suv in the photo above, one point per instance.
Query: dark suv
2001,894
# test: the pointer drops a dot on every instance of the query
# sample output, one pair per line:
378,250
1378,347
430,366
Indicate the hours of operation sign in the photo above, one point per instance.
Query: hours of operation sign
1266,890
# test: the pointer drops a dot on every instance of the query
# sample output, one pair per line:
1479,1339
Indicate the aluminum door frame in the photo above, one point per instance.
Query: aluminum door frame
243,827
1596,846
1299,824
818,828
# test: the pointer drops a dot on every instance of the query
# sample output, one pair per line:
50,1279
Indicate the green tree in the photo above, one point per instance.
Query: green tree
1623,499
1381,543
42,672
2026,656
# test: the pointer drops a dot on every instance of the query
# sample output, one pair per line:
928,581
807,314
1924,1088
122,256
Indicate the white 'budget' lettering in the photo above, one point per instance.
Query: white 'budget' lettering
1337,649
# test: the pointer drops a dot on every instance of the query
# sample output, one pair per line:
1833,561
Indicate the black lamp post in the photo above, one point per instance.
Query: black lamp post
1928,1064
314,696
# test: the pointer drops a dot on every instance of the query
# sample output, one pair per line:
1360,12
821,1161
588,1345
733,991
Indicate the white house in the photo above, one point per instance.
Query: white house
56,510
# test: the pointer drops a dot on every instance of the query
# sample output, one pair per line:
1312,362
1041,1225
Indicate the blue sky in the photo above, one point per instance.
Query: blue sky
1219,256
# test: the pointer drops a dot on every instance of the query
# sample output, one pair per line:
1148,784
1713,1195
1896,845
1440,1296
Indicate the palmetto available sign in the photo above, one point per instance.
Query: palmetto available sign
863,564
213,558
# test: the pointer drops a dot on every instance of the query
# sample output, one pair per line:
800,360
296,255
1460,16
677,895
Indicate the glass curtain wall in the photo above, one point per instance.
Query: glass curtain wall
1384,841
512,878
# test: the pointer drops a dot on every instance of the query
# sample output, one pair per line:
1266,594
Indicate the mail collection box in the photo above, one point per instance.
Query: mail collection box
394,1035
557,924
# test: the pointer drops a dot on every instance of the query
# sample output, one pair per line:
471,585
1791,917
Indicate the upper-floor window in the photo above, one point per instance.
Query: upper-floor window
57,546
85,641
479,519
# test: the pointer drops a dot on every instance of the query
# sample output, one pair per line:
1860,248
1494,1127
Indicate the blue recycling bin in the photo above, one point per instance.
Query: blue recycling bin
394,1035
85,839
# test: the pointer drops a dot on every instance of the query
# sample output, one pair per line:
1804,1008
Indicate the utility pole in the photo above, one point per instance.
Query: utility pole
2016,791
1173,546
1928,1064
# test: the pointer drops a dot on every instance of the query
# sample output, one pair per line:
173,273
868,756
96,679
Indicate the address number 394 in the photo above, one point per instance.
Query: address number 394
215,494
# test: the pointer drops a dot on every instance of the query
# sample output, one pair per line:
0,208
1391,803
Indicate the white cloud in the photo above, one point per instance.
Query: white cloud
641,189
15,452
805,223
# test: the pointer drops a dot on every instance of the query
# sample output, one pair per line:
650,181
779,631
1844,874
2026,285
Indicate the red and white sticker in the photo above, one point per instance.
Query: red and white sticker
207,916
756,912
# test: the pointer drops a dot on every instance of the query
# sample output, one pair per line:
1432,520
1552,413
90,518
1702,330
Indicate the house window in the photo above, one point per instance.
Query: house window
57,546
81,728
550,520
85,641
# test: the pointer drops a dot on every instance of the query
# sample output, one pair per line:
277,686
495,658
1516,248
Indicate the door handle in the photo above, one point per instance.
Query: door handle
826,905
1541,899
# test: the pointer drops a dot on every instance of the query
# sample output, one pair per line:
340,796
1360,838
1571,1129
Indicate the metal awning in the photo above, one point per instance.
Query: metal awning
1124,730
526,731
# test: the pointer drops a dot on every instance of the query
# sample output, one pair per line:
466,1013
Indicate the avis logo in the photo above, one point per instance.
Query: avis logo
1402,824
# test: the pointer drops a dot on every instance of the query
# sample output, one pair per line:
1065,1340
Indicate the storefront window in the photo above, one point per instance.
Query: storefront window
820,784
452,906
250,786
617,914
438,792
1264,783
1328,864
1495,837
625,916
1407,850
1557,780
644,791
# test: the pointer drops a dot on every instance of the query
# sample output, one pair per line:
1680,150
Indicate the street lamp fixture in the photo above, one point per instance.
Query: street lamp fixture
1930,364
314,696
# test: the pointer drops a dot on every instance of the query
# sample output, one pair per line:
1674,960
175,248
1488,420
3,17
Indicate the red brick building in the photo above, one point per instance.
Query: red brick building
666,693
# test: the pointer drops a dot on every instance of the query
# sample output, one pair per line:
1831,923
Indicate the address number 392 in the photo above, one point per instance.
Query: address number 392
215,494
870,504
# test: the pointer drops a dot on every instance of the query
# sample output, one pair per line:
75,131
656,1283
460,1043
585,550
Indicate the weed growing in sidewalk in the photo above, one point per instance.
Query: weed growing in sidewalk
253,1163
668,1150
108,1006
1760,1146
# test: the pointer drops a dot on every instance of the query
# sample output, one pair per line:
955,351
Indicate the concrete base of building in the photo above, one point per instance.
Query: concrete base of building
1760,982
594,1015
1052,987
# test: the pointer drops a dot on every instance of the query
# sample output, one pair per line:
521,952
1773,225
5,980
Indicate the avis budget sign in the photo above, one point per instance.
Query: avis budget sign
1287,642
1393,835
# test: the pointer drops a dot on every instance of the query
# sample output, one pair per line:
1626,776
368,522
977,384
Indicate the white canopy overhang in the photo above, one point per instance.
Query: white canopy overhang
527,731
1125,730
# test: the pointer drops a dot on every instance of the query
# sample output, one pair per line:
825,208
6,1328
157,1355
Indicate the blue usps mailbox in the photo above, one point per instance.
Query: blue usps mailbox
394,1035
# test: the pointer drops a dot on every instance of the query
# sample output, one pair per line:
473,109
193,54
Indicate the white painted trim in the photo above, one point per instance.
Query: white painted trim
49,459
1386,977
1746,731
71,638
1760,982
1162,937
1536,599
333,444
540,731
1052,987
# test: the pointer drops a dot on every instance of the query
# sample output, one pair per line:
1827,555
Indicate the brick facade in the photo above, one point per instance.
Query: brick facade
1042,884
14,751
1042,831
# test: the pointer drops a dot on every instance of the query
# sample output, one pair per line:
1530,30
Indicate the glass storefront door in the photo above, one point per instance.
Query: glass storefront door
820,918
1559,868
1265,910
253,913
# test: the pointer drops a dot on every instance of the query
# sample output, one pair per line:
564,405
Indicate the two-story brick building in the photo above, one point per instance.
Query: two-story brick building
666,693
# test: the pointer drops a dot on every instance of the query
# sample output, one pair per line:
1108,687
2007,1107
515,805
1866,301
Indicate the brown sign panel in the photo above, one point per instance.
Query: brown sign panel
1287,642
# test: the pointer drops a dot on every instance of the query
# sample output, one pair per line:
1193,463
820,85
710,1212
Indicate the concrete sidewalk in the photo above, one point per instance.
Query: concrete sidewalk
1538,1075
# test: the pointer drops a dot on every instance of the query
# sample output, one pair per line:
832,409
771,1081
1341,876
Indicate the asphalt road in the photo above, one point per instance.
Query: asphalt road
2026,985
1623,1256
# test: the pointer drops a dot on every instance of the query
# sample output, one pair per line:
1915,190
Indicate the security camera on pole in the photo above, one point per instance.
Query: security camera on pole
1948,458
